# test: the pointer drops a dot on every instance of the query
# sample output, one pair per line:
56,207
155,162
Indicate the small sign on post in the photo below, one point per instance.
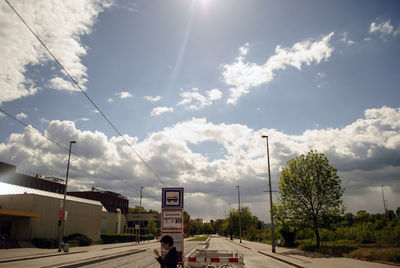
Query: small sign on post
172,218
62,215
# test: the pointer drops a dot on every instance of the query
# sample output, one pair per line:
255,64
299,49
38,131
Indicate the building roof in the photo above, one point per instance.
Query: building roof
11,189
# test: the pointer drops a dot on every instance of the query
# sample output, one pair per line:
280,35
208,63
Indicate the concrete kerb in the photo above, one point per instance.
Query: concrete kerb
39,257
269,255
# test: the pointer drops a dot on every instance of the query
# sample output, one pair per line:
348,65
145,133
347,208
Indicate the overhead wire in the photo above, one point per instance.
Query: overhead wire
67,149
84,93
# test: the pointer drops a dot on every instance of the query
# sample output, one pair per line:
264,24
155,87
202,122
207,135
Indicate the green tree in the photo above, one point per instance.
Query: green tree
151,227
136,209
311,192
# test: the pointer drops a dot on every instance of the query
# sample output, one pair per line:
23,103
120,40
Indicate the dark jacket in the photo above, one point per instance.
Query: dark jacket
170,260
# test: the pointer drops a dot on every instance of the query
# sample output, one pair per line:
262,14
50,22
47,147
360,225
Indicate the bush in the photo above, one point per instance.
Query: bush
123,238
78,240
44,242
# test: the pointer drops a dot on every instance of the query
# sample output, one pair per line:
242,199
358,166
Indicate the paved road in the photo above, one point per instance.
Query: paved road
252,258
121,255
141,256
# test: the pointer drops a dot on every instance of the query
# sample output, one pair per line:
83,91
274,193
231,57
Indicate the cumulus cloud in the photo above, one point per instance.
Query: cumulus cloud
60,31
21,116
110,100
124,95
365,152
244,75
153,99
160,110
193,100
384,28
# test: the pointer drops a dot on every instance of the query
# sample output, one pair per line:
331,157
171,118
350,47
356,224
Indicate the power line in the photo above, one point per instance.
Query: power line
84,93
67,149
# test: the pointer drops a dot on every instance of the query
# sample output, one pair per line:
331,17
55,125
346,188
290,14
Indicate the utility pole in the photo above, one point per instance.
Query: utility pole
61,224
230,220
141,195
384,202
140,205
270,198
240,220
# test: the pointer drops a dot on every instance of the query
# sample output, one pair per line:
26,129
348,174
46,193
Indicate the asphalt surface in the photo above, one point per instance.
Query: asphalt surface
256,255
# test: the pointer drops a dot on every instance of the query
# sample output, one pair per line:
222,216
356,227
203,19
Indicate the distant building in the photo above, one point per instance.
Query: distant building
8,174
27,213
110,200
142,220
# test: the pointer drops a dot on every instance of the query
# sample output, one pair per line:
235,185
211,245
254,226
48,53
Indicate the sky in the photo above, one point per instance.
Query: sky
192,85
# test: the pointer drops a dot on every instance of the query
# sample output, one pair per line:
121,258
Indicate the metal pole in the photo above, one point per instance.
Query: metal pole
61,233
240,220
230,220
140,212
140,202
384,202
270,199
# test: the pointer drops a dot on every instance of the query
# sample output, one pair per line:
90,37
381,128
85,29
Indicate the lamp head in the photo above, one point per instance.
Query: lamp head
264,136
72,142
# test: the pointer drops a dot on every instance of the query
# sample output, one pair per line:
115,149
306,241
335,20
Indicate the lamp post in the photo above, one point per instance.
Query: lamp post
240,221
270,198
62,221
230,220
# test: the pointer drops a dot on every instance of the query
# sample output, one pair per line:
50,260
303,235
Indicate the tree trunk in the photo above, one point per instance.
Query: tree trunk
317,235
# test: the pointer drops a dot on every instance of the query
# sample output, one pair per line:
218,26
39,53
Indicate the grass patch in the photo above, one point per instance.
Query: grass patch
376,254
200,238
351,249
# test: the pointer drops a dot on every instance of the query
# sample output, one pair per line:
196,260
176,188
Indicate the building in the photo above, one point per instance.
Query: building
8,174
141,220
110,200
27,213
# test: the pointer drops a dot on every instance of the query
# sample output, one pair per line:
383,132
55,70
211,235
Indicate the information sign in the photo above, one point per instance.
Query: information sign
172,218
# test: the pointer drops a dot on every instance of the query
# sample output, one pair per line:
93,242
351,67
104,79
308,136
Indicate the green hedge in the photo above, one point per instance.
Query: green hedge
121,238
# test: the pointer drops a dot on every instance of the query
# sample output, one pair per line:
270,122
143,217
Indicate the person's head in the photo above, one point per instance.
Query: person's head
167,242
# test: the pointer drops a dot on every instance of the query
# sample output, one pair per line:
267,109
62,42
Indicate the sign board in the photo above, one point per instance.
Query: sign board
172,218
62,215
172,198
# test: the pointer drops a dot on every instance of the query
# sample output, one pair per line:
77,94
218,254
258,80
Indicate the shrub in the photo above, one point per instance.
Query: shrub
78,240
44,242
123,238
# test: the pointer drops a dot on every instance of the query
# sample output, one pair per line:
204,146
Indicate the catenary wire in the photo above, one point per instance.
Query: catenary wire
67,149
86,95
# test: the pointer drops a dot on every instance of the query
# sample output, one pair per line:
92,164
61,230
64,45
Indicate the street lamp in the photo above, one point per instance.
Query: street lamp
61,232
270,198
240,221
230,220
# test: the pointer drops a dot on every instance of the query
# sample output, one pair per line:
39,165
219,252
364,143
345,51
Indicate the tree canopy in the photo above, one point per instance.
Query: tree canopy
311,193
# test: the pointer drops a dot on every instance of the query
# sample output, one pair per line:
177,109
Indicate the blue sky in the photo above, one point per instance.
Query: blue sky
312,74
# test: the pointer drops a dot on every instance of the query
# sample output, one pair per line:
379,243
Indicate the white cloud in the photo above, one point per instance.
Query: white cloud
59,83
2,115
44,120
82,119
124,94
243,50
365,152
384,28
21,116
244,75
345,39
160,110
60,25
193,100
153,99
110,100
